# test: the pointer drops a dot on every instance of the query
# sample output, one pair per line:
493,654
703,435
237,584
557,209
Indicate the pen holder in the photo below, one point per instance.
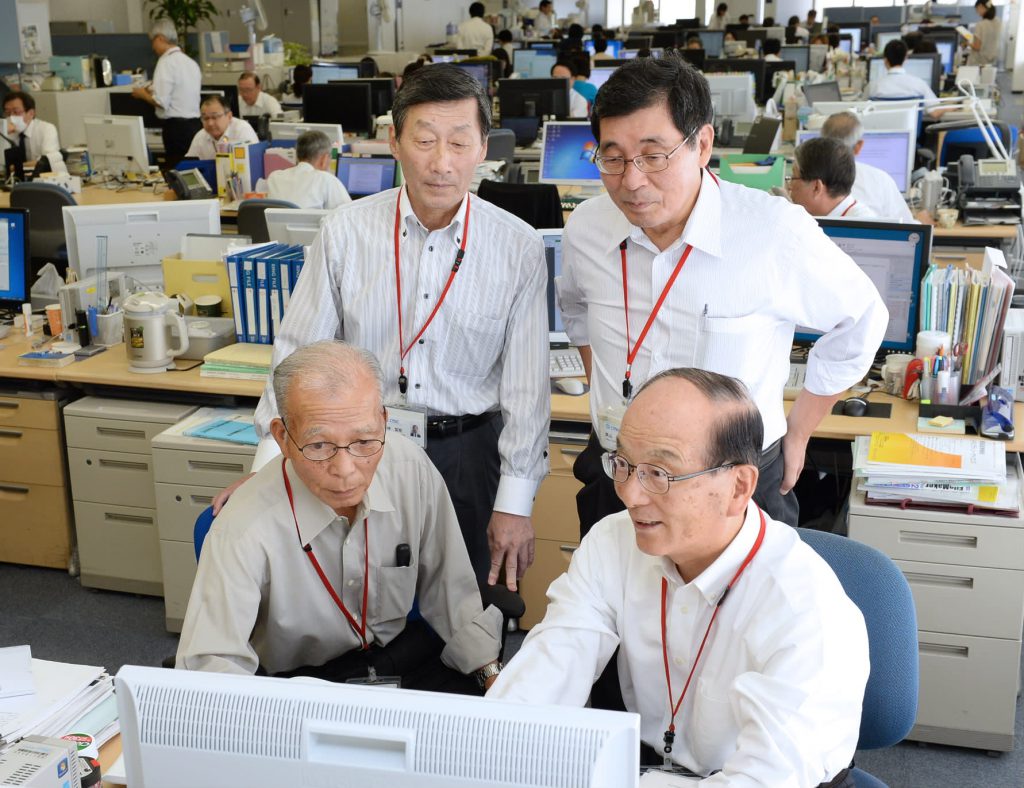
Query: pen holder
110,329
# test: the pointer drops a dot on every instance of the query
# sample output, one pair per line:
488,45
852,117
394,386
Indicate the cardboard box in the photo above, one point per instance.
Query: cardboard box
196,278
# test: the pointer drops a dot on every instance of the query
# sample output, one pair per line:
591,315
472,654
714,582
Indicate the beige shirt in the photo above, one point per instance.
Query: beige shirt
257,600
307,187
990,32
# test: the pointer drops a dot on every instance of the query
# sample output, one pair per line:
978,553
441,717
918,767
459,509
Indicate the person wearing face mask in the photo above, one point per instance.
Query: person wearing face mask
220,129
36,138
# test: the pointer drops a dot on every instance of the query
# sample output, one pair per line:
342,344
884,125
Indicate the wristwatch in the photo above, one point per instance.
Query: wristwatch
487,671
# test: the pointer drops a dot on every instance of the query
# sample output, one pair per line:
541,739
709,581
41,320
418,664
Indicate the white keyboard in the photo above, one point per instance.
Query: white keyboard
566,363
797,375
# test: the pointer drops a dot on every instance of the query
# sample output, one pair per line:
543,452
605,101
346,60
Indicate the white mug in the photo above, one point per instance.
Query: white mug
894,372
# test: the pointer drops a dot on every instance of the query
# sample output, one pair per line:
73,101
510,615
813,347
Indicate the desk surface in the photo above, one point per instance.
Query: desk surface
101,195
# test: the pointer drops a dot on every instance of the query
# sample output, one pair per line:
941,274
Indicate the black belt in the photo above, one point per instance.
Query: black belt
769,455
450,426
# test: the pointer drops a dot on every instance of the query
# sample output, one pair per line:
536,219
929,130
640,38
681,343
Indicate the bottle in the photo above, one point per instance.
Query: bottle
789,121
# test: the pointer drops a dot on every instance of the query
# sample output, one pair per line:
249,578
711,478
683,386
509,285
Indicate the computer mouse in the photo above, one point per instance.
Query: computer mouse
573,386
855,406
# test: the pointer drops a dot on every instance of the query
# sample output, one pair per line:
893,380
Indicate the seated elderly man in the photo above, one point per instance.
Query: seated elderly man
824,171
220,129
312,567
309,184
763,687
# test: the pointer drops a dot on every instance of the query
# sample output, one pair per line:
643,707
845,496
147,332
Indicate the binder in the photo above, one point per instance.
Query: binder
249,285
274,296
234,266
263,303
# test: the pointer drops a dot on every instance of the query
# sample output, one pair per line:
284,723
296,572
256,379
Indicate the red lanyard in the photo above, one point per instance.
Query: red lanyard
359,627
848,207
670,734
403,381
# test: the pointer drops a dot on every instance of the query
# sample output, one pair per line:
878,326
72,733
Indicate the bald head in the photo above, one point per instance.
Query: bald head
845,127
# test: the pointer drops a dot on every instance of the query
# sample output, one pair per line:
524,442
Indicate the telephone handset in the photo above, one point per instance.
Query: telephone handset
188,184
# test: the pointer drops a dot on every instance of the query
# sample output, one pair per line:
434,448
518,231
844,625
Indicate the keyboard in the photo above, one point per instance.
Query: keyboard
797,375
566,363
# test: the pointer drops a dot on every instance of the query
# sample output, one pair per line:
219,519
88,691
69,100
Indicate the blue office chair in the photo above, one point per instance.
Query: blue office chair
968,139
876,585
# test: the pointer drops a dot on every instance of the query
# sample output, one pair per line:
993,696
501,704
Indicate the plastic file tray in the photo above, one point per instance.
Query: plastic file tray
198,277
758,178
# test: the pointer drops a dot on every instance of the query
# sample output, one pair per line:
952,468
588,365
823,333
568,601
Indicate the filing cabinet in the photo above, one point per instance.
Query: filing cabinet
966,573
111,467
188,474
35,508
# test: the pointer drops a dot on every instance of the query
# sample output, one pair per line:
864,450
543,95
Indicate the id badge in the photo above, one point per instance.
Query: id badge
608,423
373,680
410,422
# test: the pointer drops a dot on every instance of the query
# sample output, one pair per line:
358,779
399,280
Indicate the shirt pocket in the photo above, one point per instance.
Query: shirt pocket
472,345
741,347
713,728
395,590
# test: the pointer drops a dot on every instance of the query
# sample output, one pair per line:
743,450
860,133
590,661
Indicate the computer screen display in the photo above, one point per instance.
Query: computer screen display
800,55
881,39
822,91
855,33
921,66
362,177
14,257
894,256
553,252
324,73
481,72
846,44
947,50
890,151
126,104
294,225
712,41
534,63
567,155
347,104
614,47
598,76
533,98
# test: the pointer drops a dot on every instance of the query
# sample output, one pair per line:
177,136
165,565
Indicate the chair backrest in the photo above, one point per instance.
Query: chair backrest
251,220
537,204
957,142
876,586
501,146
201,529
46,219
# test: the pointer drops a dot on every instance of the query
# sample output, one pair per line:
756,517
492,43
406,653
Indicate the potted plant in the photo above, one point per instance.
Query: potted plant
185,14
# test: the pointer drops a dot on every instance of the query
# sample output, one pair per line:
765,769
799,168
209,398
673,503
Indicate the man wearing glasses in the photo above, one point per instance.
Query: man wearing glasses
312,567
677,268
220,129
738,648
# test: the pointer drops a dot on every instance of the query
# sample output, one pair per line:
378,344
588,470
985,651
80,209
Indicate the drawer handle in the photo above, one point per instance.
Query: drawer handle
939,580
124,465
202,500
127,518
9,405
943,650
568,548
572,452
9,488
15,434
941,540
223,467
114,432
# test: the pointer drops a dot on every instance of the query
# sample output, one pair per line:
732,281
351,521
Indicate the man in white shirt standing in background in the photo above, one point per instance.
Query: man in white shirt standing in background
252,99
823,174
475,33
545,21
309,184
220,129
174,91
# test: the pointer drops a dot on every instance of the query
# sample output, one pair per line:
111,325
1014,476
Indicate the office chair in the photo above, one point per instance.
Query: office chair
45,202
251,220
501,146
537,204
261,125
964,137
875,584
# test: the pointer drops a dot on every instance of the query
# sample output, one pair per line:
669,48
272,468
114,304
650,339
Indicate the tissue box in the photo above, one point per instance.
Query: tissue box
205,335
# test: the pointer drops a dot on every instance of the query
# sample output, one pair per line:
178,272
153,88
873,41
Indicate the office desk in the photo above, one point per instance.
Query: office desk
975,234
109,753
101,195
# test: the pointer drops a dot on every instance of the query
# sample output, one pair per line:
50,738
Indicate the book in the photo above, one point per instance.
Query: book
242,354
45,358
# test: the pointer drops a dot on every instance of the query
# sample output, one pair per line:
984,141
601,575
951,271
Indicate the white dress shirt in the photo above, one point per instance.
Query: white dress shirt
487,347
760,266
876,189
578,106
265,105
543,23
990,32
257,600
851,208
776,699
476,34
40,140
897,84
802,33
772,59
177,80
307,187
204,146
718,22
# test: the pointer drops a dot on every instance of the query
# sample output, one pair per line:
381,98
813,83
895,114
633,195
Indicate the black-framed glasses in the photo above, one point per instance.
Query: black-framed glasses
652,478
321,451
647,162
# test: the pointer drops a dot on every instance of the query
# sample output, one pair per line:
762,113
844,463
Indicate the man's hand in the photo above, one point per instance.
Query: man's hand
794,450
510,538
141,93
807,412
227,492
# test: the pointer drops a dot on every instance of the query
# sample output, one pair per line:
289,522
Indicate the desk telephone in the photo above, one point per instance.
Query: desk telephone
189,184
988,173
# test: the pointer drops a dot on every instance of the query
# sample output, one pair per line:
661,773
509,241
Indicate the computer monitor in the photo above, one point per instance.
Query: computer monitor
15,259
382,94
754,66
534,63
526,129
925,65
348,104
294,225
124,103
182,727
754,38
712,41
567,154
822,91
614,49
799,54
634,41
139,235
947,53
459,52
771,68
332,72
553,252
732,96
599,75
818,56
858,32
481,72
366,176
228,92
444,58
532,98
846,43
116,144
891,150
282,131
667,38
894,256
881,39
695,57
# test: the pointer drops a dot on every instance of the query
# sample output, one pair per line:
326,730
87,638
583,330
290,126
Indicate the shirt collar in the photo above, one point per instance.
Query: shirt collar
837,212
898,70
411,220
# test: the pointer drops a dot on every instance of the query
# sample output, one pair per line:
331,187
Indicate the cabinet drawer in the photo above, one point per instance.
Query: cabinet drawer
111,434
31,455
38,414
563,455
967,600
551,560
554,511
178,506
35,525
118,547
178,561
968,683
202,468
961,544
111,477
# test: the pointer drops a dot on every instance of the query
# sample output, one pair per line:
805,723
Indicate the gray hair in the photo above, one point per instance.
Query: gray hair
325,366
311,145
442,82
165,28
829,161
736,436
845,127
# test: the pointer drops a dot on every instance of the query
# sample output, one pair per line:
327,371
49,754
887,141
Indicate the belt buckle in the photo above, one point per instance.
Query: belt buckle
442,428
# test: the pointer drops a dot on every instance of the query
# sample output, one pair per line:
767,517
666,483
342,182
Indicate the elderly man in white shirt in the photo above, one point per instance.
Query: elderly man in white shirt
22,129
308,184
315,565
773,694
896,83
823,174
252,99
544,22
872,187
475,33
220,130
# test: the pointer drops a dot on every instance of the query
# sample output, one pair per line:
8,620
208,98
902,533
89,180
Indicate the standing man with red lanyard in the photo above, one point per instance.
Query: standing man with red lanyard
449,293
676,268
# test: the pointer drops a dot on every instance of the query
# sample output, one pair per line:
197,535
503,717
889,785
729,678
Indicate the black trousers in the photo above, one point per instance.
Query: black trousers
470,466
651,757
177,135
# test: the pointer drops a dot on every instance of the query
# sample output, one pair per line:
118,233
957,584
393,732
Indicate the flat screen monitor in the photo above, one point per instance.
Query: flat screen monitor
695,57
567,154
15,260
712,41
614,49
382,93
799,54
294,225
139,235
286,132
542,44
881,39
553,252
599,75
444,58
124,103
732,96
925,66
822,91
857,33
754,66
228,92
526,129
116,144
182,727
667,38
634,41
348,104
771,68
365,176
534,63
332,72
889,150
947,53
481,72
753,37
894,256
533,98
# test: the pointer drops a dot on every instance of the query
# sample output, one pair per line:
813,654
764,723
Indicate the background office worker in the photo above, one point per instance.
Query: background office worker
23,129
984,46
220,129
475,33
749,268
174,91
823,174
309,184
896,83
253,99
482,361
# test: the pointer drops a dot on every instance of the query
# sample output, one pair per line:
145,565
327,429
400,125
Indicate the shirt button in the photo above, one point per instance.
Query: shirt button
678,661
423,341
430,248
426,295
351,582
417,386
684,609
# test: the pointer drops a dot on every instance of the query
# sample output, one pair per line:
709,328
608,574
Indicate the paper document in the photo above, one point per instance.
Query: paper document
58,687
16,672
929,457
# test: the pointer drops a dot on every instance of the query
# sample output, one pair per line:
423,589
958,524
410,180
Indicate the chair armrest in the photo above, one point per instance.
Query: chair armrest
508,602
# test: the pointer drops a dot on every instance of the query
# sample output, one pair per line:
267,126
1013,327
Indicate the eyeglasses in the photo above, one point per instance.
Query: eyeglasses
207,118
321,451
652,478
647,162
791,178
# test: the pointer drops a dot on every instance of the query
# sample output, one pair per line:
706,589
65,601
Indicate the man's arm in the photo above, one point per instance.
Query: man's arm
49,146
146,95
807,412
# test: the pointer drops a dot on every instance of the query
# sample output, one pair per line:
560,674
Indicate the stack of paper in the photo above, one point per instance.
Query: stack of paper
240,361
